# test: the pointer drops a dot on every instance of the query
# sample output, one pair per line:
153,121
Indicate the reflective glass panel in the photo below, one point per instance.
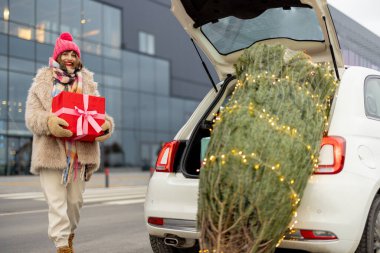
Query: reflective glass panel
19,85
92,62
131,143
90,47
148,148
21,48
44,51
3,62
3,26
43,36
147,114
19,155
21,65
131,118
22,11
176,114
162,114
22,31
3,150
17,128
163,137
4,12
92,22
112,52
147,74
4,44
190,107
112,26
131,110
131,70
113,103
114,150
162,77
47,17
112,81
146,43
71,17
4,9
112,67
3,94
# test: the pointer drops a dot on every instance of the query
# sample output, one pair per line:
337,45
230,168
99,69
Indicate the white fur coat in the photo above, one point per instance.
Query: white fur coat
48,151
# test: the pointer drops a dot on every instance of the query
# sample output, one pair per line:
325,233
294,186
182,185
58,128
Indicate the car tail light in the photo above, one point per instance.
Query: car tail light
156,221
331,156
303,234
165,160
317,235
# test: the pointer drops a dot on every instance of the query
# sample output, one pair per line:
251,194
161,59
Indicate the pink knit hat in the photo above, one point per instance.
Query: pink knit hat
65,43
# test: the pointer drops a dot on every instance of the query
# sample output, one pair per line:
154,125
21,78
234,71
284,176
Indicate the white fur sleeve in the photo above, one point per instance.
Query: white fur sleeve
36,117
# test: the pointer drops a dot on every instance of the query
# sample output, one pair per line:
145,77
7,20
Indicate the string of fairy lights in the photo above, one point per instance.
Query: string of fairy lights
253,159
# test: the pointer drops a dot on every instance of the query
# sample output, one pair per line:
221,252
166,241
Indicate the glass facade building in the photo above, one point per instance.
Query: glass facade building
360,47
133,63
136,85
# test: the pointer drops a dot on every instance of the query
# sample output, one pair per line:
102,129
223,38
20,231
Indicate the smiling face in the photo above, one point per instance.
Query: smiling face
69,60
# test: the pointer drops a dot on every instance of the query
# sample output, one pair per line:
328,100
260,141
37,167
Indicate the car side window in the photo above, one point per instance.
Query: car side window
372,97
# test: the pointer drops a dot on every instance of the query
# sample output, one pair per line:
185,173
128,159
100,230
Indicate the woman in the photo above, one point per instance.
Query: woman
59,162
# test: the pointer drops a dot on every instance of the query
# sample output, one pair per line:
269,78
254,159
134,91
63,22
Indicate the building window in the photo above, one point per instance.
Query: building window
92,21
146,43
112,26
47,26
21,11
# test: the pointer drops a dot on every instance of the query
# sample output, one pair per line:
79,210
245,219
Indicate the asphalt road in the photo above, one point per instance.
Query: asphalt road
112,219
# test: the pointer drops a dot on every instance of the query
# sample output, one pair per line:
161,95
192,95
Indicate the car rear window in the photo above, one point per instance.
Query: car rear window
372,97
232,34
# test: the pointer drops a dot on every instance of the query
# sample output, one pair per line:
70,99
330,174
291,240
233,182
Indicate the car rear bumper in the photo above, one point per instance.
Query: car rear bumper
336,203
173,197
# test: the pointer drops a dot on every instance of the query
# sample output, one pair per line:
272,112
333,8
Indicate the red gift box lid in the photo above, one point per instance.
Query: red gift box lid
70,100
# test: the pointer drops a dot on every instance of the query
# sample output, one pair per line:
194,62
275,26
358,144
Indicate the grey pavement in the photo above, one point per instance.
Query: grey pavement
118,177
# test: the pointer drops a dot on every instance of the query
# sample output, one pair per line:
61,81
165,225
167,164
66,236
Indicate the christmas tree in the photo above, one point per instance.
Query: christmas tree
263,148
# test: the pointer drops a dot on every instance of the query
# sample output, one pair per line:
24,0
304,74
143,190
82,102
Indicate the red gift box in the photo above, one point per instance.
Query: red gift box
84,113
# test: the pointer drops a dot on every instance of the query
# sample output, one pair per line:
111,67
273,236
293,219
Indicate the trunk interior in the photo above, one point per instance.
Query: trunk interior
191,161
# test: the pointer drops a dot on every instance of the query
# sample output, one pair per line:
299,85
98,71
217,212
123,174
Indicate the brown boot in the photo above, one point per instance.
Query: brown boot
64,249
71,238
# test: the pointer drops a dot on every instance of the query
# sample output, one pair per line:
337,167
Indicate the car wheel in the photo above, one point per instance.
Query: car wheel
158,246
370,241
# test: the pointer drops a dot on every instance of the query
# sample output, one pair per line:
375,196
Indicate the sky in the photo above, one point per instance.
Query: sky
365,12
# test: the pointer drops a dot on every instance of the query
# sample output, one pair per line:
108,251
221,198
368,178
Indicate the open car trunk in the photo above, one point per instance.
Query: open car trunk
224,28
192,158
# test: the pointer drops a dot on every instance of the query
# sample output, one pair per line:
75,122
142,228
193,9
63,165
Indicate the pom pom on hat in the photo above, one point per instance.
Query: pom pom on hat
65,43
66,36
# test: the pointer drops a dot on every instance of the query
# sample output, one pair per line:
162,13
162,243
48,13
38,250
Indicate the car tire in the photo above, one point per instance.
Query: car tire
370,240
158,246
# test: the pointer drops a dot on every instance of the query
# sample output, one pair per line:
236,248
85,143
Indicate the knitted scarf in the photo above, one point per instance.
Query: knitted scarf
71,82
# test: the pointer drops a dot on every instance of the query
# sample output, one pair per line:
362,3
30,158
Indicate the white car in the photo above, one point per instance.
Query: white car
340,208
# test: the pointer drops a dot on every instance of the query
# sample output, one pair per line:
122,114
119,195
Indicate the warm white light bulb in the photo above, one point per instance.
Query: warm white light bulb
6,14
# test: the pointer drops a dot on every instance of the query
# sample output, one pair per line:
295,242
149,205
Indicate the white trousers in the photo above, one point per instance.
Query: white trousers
64,203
